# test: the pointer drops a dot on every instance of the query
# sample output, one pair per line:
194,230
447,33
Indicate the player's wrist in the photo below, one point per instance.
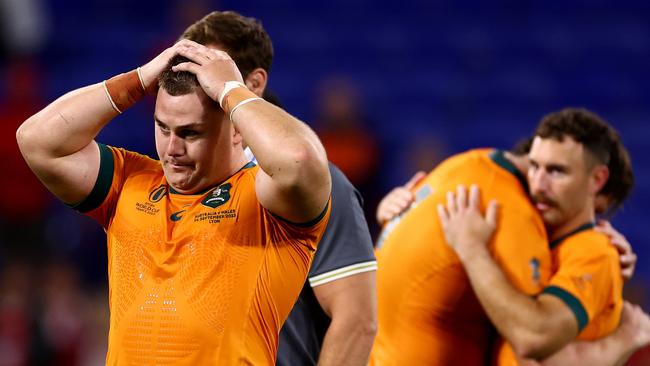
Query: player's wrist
470,252
124,90
234,95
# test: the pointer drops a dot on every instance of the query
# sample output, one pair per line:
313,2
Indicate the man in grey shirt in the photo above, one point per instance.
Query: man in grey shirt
334,320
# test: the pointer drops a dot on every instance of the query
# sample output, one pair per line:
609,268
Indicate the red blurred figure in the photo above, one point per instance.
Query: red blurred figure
349,142
15,332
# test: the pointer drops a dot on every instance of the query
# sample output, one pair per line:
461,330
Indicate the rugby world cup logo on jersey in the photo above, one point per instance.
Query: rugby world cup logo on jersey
157,194
218,196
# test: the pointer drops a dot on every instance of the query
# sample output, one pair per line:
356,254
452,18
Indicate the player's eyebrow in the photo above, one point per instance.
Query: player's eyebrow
191,125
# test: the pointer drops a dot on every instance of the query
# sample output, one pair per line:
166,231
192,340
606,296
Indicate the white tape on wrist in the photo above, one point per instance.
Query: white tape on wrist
227,87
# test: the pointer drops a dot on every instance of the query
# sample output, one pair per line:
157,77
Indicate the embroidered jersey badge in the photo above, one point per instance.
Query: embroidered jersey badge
218,196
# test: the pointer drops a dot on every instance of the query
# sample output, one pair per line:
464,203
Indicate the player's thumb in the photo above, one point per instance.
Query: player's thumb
415,179
491,214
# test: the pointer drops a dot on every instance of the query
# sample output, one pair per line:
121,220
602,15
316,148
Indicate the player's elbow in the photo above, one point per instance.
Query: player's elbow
22,134
529,350
27,137
307,167
309,157
367,327
367,324
535,345
360,325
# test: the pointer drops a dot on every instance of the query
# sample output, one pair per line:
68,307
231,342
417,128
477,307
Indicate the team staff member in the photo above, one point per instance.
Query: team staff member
334,320
207,253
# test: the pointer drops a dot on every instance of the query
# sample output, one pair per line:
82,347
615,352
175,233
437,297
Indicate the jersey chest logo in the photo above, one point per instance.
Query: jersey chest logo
176,216
158,194
218,196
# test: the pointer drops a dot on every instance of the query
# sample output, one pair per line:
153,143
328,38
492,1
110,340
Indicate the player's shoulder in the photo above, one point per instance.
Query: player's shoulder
130,158
587,242
468,157
246,175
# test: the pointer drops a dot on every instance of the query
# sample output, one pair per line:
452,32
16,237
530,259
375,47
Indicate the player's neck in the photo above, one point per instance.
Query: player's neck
519,161
237,162
585,216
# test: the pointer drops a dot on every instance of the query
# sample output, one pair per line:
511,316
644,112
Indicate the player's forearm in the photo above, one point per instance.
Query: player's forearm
67,125
285,148
348,342
518,317
609,351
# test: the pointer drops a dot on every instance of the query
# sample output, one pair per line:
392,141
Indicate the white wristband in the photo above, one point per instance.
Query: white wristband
227,87
110,98
141,80
245,101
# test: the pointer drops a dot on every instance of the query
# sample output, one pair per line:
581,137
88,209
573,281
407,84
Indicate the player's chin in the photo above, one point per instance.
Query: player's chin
552,217
180,181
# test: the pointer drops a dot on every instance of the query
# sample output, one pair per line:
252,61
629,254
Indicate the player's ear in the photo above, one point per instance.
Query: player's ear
256,81
598,179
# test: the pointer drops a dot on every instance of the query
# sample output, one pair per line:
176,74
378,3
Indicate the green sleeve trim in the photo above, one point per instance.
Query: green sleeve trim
572,302
102,184
309,223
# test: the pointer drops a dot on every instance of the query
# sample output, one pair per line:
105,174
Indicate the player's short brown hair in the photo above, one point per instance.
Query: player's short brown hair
243,38
601,141
177,83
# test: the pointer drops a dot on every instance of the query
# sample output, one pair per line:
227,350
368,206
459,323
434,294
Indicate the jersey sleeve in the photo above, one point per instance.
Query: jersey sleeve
307,234
520,248
346,247
588,279
115,166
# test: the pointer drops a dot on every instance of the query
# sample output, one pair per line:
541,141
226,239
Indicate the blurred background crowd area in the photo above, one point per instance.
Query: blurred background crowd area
390,87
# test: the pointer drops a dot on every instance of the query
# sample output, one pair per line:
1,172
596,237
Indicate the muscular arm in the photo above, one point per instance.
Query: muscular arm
295,181
632,334
58,142
535,327
58,145
351,304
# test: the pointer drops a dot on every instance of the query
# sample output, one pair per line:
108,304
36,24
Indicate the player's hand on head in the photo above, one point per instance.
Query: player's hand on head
398,200
212,67
152,70
627,257
636,324
466,229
